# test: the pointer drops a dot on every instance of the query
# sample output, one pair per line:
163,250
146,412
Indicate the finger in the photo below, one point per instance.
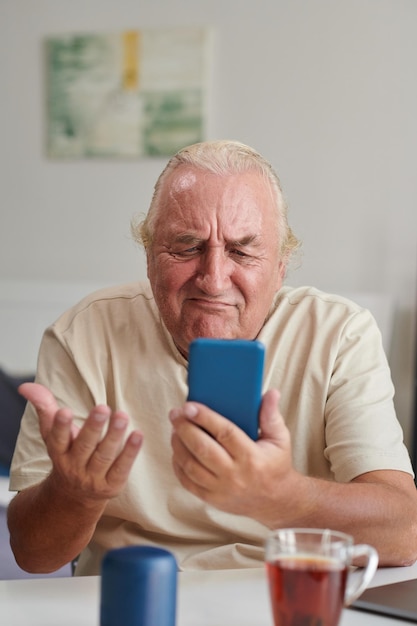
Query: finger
120,469
39,396
272,425
269,414
188,484
108,448
44,402
59,438
90,435
223,431
195,425
190,466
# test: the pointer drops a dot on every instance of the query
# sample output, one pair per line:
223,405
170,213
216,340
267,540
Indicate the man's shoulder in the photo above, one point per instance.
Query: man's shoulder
311,318
123,292
308,297
308,310
109,301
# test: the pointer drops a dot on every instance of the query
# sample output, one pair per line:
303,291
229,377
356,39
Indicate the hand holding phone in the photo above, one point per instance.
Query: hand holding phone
226,375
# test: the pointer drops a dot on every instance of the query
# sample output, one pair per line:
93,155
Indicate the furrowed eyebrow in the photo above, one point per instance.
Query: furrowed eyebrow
187,238
190,240
245,241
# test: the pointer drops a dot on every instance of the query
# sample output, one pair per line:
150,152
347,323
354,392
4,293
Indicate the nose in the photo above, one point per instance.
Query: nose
214,271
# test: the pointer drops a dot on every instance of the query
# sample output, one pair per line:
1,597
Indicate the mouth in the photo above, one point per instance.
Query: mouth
210,305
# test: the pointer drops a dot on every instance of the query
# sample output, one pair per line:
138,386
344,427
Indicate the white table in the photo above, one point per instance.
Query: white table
212,598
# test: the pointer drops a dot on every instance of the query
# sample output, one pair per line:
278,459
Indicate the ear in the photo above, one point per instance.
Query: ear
282,270
148,263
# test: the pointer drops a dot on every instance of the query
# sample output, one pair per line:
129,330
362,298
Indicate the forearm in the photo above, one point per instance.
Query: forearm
258,480
48,527
379,508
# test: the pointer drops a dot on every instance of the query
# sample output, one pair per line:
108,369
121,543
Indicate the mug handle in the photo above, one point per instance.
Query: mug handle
360,579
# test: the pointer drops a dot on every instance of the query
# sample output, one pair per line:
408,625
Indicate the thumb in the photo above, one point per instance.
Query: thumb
44,402
271,422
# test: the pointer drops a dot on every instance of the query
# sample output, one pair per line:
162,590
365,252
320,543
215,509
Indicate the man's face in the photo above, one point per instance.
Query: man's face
214,263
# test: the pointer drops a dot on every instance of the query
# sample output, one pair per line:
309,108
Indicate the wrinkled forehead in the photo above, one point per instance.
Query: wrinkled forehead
233,203
191,194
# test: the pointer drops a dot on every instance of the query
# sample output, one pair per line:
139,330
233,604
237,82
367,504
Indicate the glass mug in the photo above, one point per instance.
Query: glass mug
308,575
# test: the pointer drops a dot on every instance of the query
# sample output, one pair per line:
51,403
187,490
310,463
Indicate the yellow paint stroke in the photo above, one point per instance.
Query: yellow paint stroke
131,60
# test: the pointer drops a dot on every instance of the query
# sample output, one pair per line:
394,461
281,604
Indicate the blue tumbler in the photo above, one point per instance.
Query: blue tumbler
138,587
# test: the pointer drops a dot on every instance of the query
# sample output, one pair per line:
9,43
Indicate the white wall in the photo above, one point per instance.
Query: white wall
326,89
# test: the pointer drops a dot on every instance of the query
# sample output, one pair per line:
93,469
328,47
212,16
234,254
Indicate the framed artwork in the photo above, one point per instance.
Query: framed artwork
138,93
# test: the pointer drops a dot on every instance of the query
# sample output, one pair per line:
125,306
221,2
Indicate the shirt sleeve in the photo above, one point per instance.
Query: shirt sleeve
362,431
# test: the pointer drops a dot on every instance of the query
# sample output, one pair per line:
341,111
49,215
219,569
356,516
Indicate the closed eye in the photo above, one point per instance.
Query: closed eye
187,252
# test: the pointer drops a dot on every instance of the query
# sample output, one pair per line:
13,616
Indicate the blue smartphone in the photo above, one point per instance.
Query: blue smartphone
226,375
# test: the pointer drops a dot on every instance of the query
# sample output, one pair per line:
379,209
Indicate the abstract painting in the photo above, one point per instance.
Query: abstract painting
138,93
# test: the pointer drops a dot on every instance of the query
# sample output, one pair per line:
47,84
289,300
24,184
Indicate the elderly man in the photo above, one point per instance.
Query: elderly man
109,451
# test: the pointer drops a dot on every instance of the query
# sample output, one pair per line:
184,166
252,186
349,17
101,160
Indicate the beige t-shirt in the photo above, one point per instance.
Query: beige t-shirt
323,352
